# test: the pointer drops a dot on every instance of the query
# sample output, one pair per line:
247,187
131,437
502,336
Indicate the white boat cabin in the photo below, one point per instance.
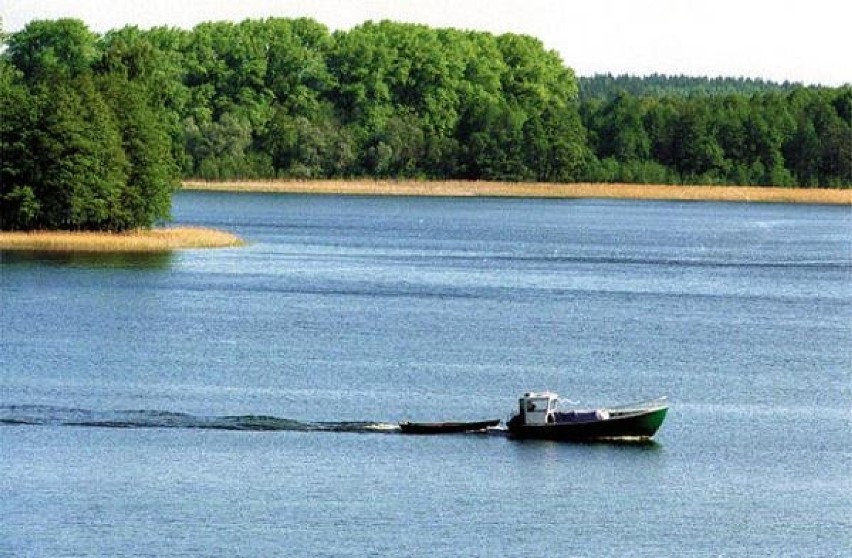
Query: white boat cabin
541,408
538,407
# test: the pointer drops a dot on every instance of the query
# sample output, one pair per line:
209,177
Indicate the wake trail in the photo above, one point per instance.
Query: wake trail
46,415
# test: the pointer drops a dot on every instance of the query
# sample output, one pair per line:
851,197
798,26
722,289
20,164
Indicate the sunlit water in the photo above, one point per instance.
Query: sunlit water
242,402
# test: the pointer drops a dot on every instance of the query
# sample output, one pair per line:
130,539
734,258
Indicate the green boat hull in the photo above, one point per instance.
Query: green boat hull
620,425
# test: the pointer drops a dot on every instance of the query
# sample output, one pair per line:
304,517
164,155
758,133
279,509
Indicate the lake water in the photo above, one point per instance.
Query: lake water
241,402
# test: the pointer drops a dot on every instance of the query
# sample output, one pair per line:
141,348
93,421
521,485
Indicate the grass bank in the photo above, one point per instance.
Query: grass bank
155,240
459,188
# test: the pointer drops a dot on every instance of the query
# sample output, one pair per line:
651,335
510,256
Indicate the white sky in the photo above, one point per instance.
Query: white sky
808,41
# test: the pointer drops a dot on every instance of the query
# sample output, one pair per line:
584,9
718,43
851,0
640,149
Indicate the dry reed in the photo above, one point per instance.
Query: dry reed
155,240
458,188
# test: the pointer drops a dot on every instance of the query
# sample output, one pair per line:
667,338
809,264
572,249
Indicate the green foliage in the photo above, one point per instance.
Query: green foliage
52,50
286,98
152,172
94,131
607,86
769,138
84,140
73,160
20,208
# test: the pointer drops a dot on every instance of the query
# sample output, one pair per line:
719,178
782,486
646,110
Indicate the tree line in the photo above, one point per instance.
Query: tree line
95,130
607,86
798,138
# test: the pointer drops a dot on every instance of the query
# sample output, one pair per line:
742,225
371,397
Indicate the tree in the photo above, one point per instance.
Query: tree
18,204
76,166
493,136
220,149
152,173
697,154
53,50
398,150
556,147
620,130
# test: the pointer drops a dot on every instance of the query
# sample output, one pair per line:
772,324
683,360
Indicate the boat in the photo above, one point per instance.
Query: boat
408,427
539,417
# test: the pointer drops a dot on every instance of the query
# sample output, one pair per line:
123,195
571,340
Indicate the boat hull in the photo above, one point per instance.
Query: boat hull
446,427
634,425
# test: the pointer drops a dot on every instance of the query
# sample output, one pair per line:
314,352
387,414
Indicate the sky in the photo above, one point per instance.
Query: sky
782,40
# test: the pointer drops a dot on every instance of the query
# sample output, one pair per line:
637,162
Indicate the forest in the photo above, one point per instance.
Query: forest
607,86
97,130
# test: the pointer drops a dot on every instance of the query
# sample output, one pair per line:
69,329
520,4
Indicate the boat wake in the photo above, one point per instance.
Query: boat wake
11,415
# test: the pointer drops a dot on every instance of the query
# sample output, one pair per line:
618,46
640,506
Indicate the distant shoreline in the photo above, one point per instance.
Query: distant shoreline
459,188
147,241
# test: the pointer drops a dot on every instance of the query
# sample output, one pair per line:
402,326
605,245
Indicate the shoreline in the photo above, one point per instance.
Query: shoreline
138,241
460,188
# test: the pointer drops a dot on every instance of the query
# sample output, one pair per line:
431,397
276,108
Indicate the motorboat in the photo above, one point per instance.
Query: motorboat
539,417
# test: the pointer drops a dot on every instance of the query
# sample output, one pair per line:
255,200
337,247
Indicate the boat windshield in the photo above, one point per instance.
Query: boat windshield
538,404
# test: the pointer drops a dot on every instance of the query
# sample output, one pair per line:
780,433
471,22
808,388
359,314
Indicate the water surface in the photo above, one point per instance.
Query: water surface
241,402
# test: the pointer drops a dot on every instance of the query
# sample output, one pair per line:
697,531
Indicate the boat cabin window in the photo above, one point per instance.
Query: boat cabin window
537,405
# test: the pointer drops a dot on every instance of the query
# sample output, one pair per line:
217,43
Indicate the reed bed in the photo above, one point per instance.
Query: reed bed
154,240
459,188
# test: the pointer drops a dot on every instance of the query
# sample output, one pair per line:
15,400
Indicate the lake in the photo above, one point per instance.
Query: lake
242,402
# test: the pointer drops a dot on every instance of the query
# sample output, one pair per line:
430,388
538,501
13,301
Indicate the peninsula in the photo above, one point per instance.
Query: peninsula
142,240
